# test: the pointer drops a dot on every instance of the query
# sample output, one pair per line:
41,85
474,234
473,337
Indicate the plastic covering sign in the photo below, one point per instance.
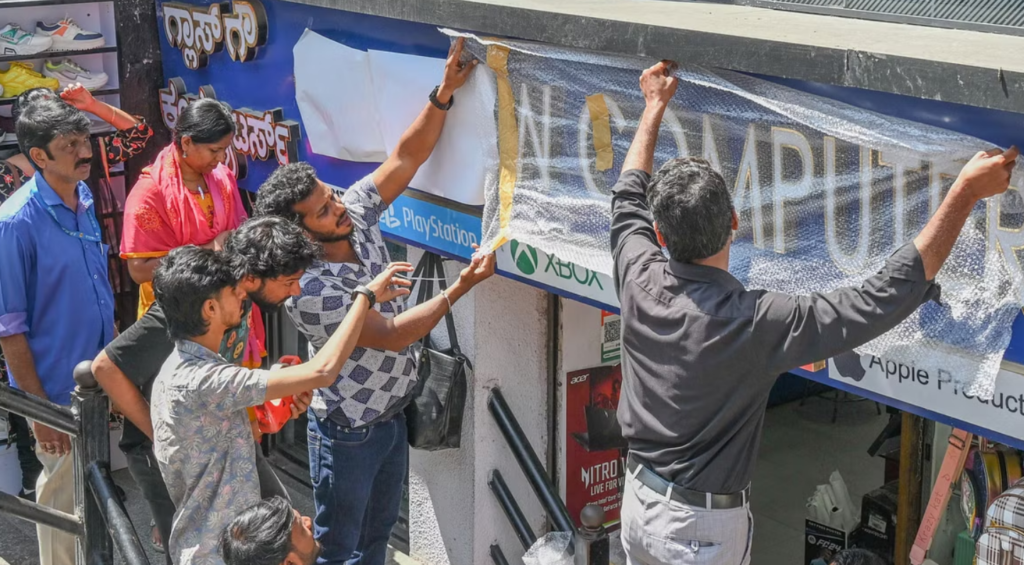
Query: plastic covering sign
825,192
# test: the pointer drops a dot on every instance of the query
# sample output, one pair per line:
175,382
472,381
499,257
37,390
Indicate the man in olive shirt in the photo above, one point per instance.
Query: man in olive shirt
700,352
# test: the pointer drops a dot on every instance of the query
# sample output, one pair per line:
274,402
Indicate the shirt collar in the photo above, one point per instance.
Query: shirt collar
51,198
704,273
190,349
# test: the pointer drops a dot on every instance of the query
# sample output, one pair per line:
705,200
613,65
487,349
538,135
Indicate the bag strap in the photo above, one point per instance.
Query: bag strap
425,282
952,466
449,319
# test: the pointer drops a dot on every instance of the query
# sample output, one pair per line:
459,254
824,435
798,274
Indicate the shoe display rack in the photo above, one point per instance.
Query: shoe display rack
94,54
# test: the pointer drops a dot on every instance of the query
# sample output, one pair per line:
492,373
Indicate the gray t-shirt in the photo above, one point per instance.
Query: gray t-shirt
700,352
203,443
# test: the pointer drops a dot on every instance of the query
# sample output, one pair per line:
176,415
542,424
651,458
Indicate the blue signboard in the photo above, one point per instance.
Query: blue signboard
427,225
266,82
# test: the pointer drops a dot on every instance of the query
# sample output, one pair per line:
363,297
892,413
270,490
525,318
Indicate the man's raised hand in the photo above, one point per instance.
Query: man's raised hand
455,72
657,83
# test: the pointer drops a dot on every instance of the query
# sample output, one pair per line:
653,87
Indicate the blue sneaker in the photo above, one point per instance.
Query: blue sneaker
69,36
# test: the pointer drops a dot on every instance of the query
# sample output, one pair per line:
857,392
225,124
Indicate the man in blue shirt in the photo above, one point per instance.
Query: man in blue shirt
56,304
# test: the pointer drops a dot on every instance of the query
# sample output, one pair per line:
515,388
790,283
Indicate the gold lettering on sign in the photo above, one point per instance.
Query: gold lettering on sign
855,261
201,31
786,188
245,30
197,32
258,135
748,186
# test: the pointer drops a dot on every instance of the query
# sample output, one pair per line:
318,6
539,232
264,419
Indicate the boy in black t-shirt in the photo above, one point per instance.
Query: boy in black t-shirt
273,254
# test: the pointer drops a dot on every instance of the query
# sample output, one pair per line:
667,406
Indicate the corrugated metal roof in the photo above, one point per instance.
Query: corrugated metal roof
998,16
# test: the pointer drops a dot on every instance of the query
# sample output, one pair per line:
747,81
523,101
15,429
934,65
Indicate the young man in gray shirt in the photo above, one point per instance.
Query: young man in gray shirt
700,352
202,439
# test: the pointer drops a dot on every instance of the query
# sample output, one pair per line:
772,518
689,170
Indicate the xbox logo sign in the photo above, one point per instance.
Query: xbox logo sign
524,256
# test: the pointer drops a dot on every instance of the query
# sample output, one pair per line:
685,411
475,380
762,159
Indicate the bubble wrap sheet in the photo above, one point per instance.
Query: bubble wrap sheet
825,192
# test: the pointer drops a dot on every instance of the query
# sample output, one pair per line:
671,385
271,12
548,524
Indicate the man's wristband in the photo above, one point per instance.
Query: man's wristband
369,294
437,103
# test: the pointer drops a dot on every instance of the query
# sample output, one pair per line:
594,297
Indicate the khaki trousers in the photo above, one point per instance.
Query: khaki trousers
56,488
659,531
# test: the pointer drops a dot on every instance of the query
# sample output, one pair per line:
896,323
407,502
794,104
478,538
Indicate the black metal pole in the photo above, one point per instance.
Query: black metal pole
34,408
529,463
39,514
92,446
511,507
592,545
119,525
497,556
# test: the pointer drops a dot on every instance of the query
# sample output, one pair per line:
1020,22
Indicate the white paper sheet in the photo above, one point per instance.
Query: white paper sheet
467,149
356,105
335,95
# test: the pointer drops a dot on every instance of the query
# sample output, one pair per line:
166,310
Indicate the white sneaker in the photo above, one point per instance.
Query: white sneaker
69,36
69,72
16,41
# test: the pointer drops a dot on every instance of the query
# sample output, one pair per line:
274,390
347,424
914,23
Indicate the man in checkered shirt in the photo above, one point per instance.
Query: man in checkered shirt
358,448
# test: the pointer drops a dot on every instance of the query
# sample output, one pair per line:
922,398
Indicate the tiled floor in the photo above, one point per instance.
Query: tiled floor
800,449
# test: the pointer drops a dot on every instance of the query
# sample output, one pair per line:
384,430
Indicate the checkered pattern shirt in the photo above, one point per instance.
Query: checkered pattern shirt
372,380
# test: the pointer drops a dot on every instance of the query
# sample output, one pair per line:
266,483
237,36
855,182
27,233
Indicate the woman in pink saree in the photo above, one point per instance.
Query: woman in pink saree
188,196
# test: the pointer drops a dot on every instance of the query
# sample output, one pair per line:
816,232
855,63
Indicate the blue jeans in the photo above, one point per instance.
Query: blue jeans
357,477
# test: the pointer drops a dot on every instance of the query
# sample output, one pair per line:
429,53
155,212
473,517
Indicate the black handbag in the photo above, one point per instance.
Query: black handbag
434,416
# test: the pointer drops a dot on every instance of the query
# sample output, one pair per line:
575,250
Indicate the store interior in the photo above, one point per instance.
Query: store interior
800,449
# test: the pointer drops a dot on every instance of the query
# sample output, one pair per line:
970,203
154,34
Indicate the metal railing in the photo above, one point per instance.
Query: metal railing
100,521
590,544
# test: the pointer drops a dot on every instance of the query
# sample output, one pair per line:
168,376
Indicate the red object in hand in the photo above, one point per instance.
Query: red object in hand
274,414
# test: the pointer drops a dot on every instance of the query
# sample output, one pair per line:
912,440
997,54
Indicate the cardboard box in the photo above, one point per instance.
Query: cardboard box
821,542
868,539
878,510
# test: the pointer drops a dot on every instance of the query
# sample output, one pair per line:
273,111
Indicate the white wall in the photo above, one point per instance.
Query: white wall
454,518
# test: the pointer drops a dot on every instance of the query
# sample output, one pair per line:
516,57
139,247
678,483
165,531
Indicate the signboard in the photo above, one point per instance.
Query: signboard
935,391
258,135
266,82
539,268
421,222
595,453
200,31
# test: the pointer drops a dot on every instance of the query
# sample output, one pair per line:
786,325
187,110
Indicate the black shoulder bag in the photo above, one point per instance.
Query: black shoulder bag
434,416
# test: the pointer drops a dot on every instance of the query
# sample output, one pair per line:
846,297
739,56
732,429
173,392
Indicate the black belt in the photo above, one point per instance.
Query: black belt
706,500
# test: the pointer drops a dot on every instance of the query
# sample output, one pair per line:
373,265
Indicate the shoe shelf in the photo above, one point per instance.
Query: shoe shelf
55,54
100,92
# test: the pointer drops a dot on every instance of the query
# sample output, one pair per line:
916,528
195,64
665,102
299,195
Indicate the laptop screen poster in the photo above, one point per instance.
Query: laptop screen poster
595,452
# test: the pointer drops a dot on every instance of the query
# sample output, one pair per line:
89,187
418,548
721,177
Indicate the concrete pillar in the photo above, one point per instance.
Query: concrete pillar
453,517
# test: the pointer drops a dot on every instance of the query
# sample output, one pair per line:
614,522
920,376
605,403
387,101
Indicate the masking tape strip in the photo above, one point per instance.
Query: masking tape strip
508,139
602,131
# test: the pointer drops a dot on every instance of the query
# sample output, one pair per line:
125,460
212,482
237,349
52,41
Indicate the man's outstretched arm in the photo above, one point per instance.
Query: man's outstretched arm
418,142
632,233
795,330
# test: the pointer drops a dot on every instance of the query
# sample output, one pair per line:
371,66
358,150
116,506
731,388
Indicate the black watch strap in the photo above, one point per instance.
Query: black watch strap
365,292
437,103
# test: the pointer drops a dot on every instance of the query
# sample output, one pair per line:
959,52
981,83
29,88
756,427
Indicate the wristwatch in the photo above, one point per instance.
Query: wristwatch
437,103
365,292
